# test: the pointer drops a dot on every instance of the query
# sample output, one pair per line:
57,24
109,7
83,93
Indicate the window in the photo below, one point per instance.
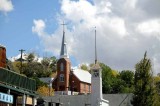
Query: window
96,73
61,78
62,67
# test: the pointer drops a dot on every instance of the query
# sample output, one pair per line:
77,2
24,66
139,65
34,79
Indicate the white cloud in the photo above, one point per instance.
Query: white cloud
125,30
149,27
6,6
39,26
81,10
51,42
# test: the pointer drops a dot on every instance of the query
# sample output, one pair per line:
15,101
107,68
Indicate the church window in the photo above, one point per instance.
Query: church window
62,67
61,78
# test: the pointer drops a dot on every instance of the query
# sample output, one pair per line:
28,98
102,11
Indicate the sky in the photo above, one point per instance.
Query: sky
125,30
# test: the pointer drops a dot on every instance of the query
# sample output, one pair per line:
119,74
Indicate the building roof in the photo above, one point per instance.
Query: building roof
119,99
83,100
46,79
82,75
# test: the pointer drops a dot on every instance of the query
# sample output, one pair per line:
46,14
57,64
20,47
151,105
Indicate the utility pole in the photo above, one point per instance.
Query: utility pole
21,50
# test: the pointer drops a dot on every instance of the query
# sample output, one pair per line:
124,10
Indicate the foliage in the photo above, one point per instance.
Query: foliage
128,77
115,73
114,82
106,78
16,66
45,91
157,83
53,63
33,68
84,67
30,57
145,92
39,83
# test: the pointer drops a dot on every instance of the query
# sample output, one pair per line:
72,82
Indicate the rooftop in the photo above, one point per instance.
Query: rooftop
82,75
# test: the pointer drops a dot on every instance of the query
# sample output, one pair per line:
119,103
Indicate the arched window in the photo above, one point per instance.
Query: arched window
61,77
62,67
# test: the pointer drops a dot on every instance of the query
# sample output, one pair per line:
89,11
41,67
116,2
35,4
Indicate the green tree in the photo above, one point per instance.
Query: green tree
111,81
30,57
84,67
106,78
144,93
157,82
128,77
53,64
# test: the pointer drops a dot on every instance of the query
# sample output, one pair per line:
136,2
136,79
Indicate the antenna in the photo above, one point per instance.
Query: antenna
95,47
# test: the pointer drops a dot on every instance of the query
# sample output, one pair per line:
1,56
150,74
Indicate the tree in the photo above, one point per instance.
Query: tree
144,93
53,64
107,78
128,77
112,82
30,57
157,82
45,91
115,73
84,67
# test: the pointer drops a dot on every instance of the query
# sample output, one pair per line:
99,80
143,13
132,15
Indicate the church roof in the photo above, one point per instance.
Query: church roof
46,79
82,75
64,53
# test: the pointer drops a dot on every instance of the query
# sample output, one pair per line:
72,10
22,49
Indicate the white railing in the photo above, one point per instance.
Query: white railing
65,93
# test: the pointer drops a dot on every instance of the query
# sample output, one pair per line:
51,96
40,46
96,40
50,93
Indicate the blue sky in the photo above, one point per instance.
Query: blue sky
16,26
125,29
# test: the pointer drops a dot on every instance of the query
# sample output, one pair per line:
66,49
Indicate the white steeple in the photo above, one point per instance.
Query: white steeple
96,82
64,53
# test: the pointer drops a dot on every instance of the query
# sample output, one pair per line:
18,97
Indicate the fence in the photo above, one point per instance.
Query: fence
16,80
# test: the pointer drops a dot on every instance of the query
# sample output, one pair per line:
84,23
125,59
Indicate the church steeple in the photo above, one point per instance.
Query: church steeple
64,53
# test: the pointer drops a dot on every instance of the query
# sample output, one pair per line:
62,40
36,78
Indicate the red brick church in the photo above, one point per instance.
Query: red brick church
70,81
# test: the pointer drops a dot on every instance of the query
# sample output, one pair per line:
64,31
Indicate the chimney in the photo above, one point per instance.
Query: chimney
2,56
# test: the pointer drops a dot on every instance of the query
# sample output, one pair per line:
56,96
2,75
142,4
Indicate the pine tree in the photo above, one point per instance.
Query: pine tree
144,92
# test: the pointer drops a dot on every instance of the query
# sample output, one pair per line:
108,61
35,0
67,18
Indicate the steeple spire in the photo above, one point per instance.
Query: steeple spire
64,53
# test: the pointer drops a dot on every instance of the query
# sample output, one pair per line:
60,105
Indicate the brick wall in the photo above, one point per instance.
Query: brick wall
63,85
2,57
71,82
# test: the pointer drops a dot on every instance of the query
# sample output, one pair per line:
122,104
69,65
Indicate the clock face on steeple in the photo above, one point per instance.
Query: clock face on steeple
95,73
